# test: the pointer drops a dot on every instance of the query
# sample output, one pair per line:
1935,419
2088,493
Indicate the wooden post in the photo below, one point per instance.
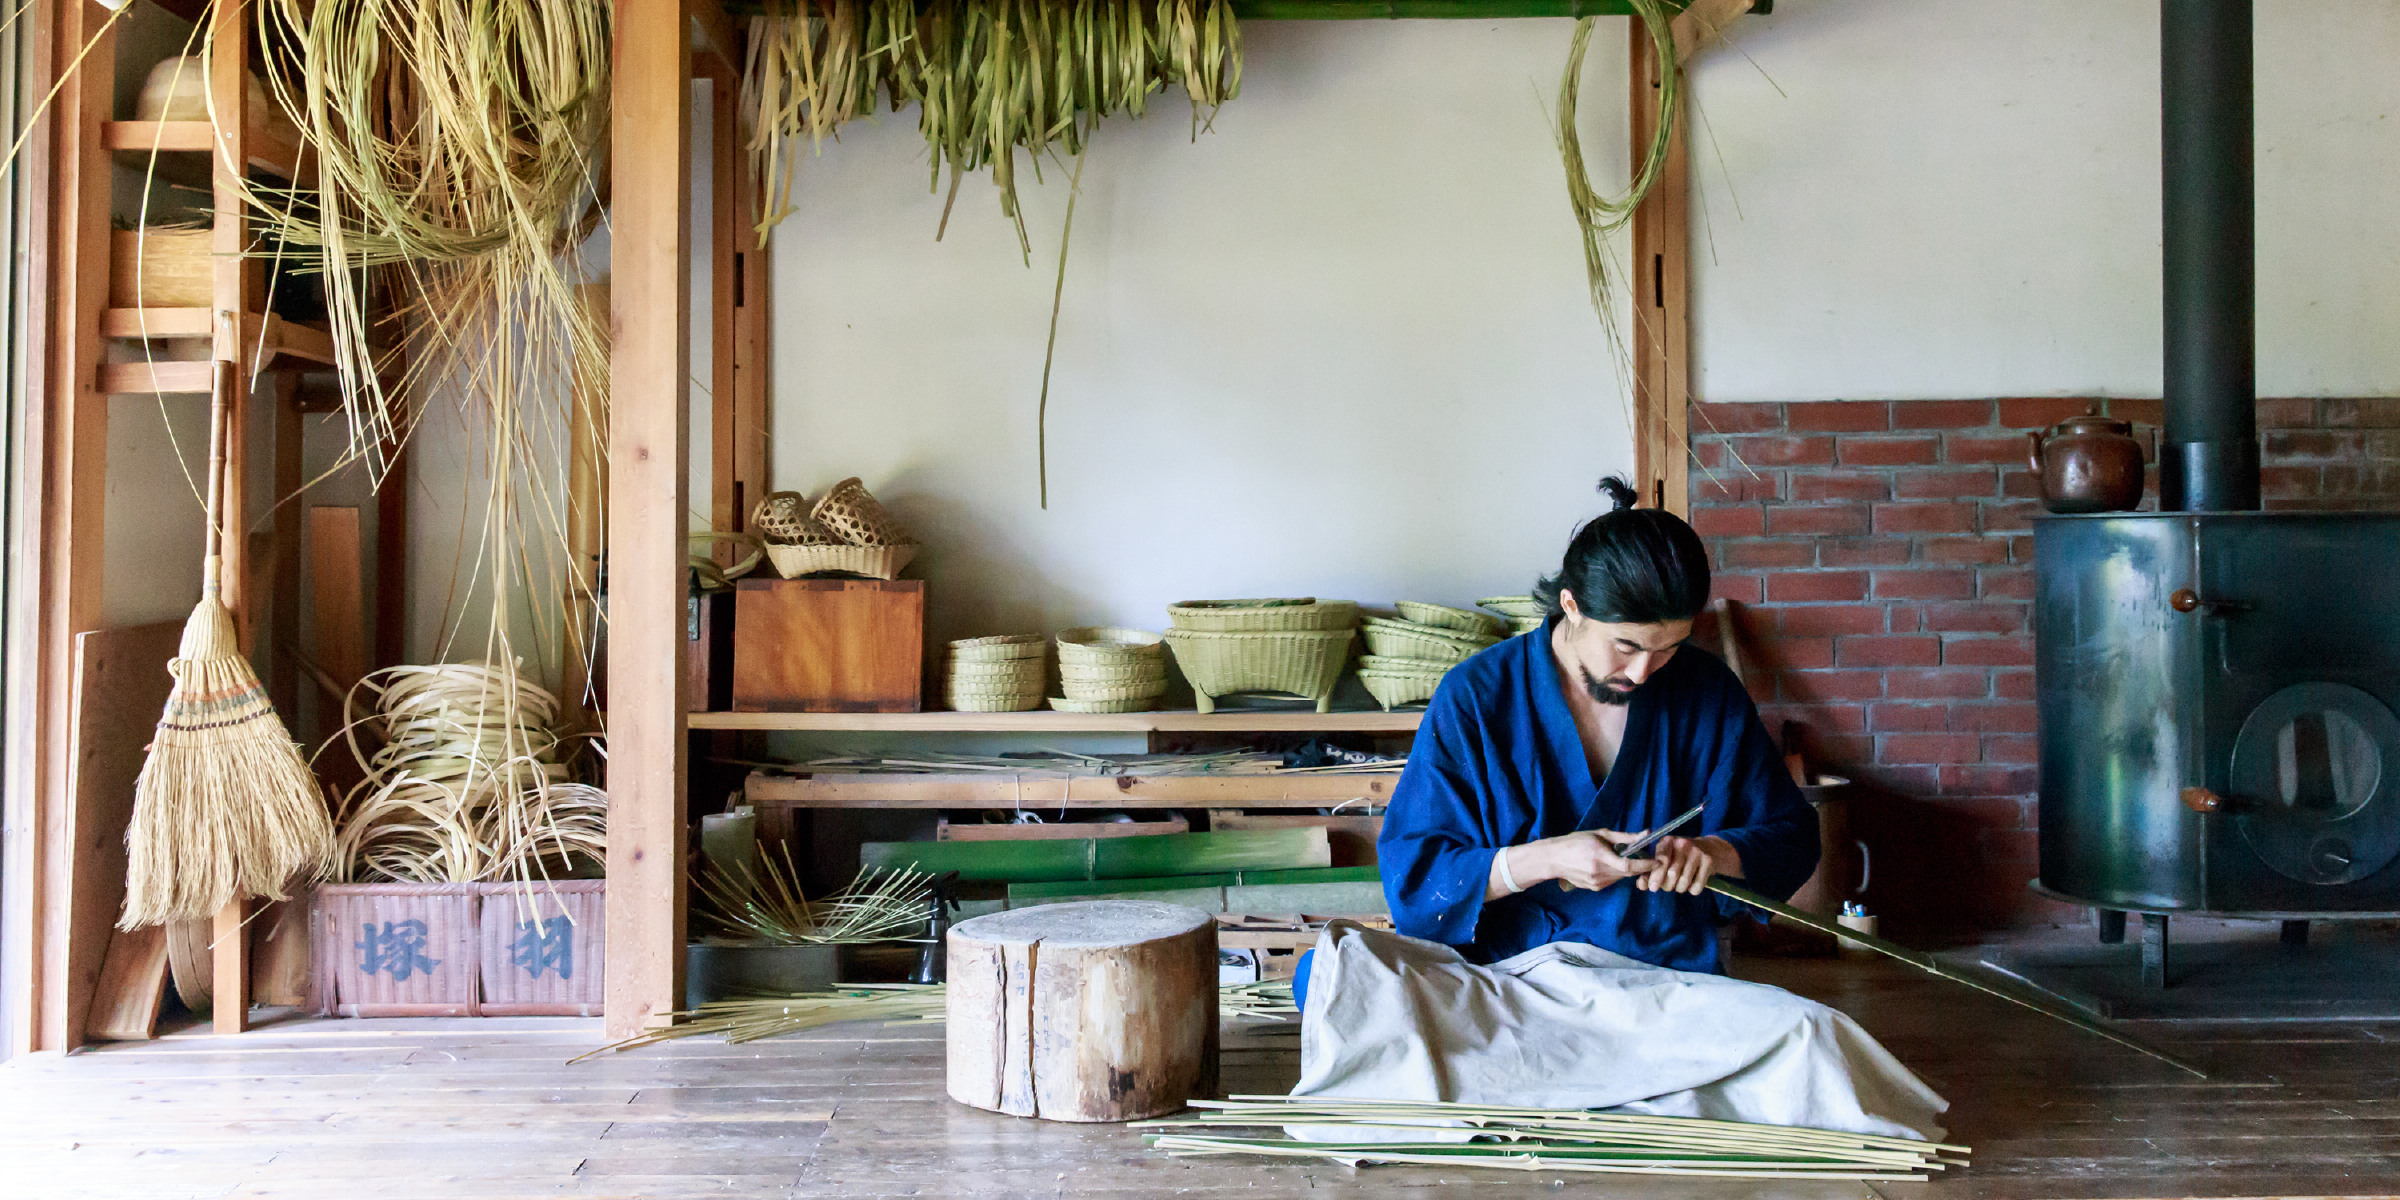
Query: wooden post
1661,264
228,77
729,500
283,607
649,480
391,559
750,340
71,429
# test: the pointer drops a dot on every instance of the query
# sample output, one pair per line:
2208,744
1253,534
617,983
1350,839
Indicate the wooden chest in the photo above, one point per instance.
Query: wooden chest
828,645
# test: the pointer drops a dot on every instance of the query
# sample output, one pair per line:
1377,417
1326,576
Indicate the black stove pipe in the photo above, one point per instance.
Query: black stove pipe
2208,461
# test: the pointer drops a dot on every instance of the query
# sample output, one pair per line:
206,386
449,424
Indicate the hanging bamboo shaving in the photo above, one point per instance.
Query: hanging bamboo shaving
989,77
471,784
1539,1139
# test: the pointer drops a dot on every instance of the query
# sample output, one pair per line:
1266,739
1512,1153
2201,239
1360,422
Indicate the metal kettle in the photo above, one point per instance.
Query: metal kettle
2088,464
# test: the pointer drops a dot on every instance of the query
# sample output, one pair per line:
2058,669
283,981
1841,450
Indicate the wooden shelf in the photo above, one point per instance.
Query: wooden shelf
1186,721
146,378
1051,789
271,335
273,146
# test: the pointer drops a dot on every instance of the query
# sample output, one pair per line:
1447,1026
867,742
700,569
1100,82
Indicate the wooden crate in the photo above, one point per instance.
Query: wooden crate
396,949
162,268
544,948
828,645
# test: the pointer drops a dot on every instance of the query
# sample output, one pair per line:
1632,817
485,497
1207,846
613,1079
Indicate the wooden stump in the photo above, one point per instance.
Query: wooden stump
1101,1011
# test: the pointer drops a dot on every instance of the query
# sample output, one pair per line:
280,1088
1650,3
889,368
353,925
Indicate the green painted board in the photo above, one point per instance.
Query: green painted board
1149,856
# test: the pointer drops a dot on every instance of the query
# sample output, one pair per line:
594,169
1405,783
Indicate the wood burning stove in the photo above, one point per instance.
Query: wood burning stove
2217,685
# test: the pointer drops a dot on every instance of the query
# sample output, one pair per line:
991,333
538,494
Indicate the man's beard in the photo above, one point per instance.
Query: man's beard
1616,689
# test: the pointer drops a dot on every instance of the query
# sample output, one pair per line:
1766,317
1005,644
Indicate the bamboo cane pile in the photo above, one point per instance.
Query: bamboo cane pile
1540,1139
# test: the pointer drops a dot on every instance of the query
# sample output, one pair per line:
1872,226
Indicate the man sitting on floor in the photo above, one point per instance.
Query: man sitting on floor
1529,970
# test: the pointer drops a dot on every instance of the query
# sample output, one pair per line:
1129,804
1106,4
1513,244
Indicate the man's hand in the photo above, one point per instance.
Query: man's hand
1686,864
1589,859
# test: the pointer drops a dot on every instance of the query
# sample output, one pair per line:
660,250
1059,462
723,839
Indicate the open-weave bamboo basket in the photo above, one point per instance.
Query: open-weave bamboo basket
1518,625
1407,639
856,517
1386,665
1442,616
1110,646
874,562
1112,691
1390,691
1070,705
1304,662
162,268
999,648
1263,616
782,518
1513,606
1000,673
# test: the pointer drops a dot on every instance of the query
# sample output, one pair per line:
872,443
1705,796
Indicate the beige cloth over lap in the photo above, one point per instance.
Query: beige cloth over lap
1572,1026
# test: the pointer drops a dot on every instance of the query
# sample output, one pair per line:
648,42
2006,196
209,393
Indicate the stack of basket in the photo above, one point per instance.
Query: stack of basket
1108,670
846,531
996,674
1295,647
1407,658
1525,614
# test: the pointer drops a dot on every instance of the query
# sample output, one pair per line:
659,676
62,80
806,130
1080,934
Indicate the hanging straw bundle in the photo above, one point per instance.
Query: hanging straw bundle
989,77
224,806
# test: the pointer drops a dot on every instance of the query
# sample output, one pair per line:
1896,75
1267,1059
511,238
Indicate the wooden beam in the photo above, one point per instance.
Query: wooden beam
1038,721
228,77
391,558
1661,264
727,504
649,482
750,344
71,431
283,607
1049,790
716,49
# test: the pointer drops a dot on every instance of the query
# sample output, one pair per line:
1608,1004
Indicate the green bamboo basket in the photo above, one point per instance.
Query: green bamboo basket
1513,606
1392,691
1407,639
1305,613
1442,616
998,649
1517,625
1069,704
1306,663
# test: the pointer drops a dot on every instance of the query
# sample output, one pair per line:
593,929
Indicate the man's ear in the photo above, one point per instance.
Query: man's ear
1567,605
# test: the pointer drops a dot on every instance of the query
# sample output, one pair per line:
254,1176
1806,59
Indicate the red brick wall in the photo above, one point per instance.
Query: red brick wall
1880,557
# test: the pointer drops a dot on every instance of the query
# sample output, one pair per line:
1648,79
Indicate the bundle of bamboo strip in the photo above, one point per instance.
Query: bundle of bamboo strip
1538,1139
877,906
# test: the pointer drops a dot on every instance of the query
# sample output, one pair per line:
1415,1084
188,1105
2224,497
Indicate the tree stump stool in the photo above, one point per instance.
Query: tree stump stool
1099,1011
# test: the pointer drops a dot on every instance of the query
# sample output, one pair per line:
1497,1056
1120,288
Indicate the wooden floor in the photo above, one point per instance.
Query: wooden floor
488,1109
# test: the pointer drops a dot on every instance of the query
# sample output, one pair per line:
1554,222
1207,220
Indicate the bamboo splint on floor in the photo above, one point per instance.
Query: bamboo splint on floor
1537,1139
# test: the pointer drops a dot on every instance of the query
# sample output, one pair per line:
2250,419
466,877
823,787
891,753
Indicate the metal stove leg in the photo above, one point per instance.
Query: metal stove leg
2109,923
2295,933
2154,950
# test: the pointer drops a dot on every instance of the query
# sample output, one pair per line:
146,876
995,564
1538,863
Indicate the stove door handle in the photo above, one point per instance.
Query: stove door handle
2184,600
2202,800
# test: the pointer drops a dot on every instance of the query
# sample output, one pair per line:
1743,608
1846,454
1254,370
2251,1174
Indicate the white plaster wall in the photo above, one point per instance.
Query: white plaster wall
1340,346
1960,198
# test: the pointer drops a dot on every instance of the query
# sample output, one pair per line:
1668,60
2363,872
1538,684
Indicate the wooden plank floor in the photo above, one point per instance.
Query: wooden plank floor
481,1110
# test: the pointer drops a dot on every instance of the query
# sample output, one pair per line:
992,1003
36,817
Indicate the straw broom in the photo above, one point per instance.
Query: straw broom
224,807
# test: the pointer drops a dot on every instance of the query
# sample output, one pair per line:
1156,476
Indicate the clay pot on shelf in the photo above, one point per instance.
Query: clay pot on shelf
2088,464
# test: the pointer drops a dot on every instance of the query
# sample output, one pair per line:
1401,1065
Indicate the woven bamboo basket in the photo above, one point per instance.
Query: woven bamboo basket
1305,663
1069,704
1512,606
783,518
1391,691
1003,673
1140,672
1263,616
1518,625
1442,616
1384,665
1108,645
999,648
1112,691
1406,639
874,562
855,517
162,268
983,702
